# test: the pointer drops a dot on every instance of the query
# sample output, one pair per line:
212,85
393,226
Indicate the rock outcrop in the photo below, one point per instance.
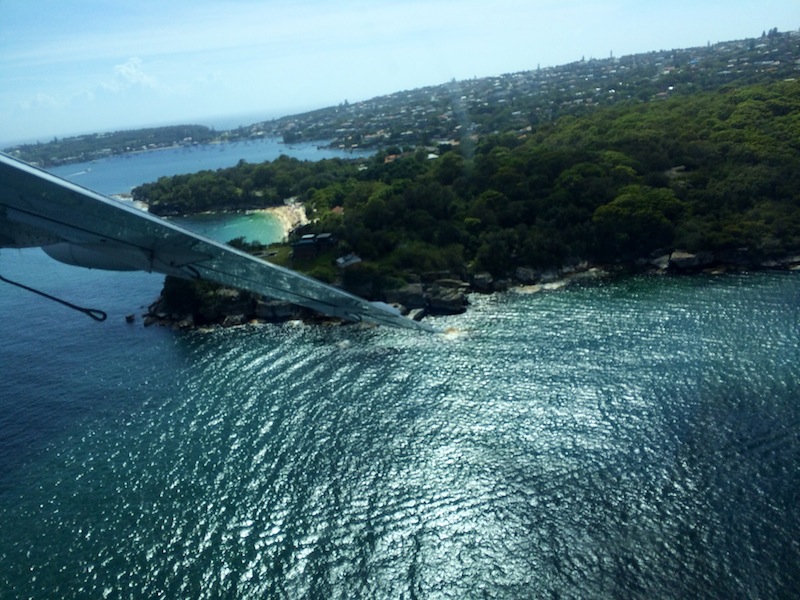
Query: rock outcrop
276,311
483,282
686,261
411,296
447,293
447,297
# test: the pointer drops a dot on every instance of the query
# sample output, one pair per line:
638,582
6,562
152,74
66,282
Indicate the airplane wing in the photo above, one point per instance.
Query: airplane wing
80,227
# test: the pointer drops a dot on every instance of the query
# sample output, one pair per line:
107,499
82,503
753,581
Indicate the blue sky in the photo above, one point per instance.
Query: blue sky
80,66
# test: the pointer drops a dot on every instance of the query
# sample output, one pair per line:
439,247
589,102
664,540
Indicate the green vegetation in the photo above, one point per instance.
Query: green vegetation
458,111
100,145
245,186
716,171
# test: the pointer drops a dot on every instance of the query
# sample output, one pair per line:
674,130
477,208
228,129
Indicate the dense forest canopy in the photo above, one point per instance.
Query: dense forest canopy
716,171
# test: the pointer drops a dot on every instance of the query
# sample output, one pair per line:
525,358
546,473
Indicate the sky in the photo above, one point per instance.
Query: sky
70,67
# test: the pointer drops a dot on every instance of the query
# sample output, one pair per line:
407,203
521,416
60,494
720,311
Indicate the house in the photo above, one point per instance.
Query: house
305,248
310,245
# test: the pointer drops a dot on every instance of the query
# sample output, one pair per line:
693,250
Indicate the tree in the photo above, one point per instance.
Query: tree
638,221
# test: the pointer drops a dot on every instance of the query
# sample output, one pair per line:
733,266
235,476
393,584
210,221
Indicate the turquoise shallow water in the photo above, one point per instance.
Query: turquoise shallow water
254,226
633,438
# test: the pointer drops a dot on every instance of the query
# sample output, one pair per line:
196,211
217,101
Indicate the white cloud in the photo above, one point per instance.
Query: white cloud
131,73
41,100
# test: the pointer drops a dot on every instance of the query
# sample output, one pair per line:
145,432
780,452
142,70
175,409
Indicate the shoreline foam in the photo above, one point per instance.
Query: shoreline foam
290,216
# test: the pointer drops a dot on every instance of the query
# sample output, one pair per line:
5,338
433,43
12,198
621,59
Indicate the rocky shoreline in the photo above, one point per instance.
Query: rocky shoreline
448,293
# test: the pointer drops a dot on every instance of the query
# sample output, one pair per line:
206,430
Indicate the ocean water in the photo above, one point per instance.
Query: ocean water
635,438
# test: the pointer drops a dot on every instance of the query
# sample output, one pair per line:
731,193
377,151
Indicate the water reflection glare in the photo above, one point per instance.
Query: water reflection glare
619,440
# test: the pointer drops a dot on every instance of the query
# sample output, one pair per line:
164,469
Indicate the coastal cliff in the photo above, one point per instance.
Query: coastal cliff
189,304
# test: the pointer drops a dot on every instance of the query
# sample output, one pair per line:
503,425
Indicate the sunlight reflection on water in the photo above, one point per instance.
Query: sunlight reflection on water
621,439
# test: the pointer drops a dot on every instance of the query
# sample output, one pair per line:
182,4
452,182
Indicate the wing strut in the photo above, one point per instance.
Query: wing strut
94,313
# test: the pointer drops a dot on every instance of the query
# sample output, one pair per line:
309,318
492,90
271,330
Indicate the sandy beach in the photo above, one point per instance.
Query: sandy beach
291,216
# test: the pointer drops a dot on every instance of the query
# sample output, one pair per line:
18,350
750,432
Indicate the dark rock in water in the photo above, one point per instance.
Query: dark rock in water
575,265
483,282
550,276
411,296
130,318
234,320
502,285
276,310
186,323
446,300
686,261
785,262
589,275
660,262
526,275
417,314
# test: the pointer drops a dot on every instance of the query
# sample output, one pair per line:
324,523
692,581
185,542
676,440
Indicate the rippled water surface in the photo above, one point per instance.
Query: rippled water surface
637,438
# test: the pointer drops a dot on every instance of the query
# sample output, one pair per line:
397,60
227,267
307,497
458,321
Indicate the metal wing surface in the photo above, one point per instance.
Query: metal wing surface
80,227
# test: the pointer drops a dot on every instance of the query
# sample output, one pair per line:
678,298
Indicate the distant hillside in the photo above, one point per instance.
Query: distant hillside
464,111
99,145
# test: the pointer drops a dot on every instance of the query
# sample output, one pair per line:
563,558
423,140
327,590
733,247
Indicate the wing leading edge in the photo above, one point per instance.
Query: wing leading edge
80,227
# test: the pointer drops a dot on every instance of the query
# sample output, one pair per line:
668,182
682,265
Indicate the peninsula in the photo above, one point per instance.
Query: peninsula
677,161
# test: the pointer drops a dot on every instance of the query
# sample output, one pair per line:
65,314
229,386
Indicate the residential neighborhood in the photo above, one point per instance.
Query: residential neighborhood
443,116
450,113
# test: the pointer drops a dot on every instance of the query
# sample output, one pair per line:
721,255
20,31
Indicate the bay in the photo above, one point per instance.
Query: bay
120,174
254,226
628,438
